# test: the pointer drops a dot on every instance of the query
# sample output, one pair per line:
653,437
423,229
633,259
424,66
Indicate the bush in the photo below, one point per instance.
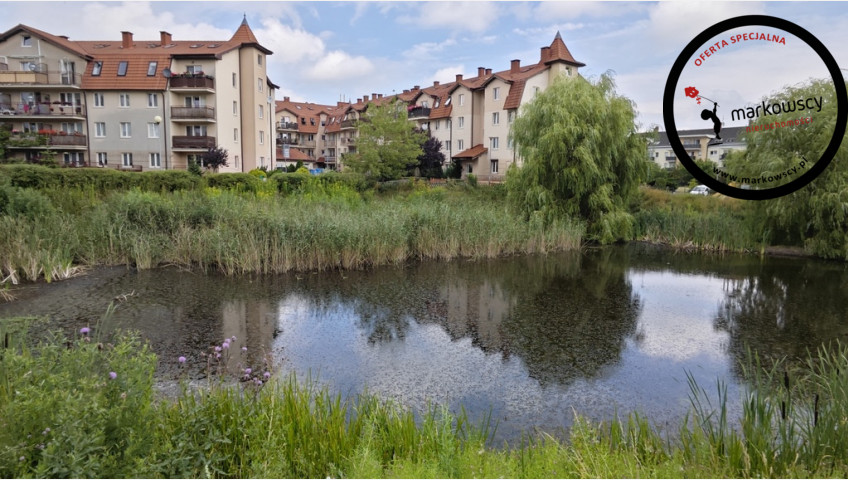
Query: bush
241,182
20,202
288,183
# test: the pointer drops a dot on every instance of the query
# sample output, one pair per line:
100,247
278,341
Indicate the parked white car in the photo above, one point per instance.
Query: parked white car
700,190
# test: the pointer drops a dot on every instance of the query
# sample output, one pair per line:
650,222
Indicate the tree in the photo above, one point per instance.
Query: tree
214,158
388,143
816,215
430,162
582,157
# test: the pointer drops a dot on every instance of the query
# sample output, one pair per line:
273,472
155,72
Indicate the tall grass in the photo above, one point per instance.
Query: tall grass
84,407
322,227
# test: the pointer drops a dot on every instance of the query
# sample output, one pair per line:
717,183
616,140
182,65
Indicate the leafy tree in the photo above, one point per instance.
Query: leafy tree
194,168
815,216
430,162
215,158
388,143
582,157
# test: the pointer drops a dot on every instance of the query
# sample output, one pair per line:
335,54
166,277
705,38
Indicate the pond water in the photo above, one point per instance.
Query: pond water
529,340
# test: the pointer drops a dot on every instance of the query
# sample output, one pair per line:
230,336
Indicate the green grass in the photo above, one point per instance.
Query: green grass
62,415
320,227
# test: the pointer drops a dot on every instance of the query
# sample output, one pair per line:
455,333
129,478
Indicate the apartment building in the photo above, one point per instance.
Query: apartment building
470,116
700,144
137,104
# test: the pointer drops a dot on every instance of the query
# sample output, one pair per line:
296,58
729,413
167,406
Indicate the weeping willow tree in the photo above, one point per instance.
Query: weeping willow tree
583,157
815,216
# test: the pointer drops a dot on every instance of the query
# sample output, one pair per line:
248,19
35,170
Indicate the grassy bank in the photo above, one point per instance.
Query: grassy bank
316,226
694,222
85,407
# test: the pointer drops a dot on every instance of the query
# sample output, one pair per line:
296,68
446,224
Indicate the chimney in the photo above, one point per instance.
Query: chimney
546,53
488,71
365,98
379,95
435,83
406,91
515,66
126,40
374,96
417,87
339,104
164,38
458,77
481,71
285,99
358,100
64,36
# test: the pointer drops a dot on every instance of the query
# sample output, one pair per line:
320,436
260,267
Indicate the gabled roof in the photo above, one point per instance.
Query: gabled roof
309,111
136,77
294,155
472,152
60,42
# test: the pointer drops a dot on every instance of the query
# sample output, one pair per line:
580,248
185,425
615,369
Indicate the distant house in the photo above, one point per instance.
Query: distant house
697,144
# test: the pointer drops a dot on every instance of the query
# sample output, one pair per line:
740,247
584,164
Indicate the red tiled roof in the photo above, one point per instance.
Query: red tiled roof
472,152
294,155
136,77
513,98
54,39
559,52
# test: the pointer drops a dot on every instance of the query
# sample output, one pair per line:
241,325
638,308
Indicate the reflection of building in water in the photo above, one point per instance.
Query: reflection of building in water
252,323
477,310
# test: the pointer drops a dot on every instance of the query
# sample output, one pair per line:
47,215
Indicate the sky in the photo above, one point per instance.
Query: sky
330,51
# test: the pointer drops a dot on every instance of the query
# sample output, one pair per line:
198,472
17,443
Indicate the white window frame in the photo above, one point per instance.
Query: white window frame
496,93
259,82
261,137
235,135
151,68
26,40
235,80
155,160
123,65
152,100
460,144
124,100
235,108
153,130
261,111
126,129
97,68
102,159
461,122
494,142
496,118
100,129
461,99
126,156
494,166
99,100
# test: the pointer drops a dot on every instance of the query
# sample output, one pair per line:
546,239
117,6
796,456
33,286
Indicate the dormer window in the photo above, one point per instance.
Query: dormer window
122,68
447,101
151,69
96,69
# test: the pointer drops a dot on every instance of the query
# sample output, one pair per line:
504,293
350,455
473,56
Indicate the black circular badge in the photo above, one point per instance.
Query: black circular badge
841,102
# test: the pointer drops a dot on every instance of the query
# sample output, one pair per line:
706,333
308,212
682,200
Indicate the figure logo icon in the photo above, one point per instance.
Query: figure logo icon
706,114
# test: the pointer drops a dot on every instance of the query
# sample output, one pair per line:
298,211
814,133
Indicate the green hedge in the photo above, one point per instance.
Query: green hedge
241,182
99,179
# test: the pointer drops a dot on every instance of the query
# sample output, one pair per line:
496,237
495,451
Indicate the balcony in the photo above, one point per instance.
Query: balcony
199,82
419,112
193,142
287,141
287,126
192,113
39,76
42,109
348,123
329,159
72,140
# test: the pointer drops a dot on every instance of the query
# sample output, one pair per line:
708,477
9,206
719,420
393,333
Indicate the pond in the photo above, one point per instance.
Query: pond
529,340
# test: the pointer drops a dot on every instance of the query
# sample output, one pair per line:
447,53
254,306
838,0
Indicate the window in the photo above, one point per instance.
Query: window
196,130
261,161
261,111
494,166
460,145
509,143
100,129
237,161
125,100
461,100
461,122
259,59
568,71
424,104
496,94
235,80
510,116
261,137
496,118
235,107
194,101
235,135
152,100
152,130
493,143
126,130
96,69
536,90
155,160
194,69
151,69
102,161
29,66
122,68
437,124
126,159
447,145
259,84
99,101
26,41
447,102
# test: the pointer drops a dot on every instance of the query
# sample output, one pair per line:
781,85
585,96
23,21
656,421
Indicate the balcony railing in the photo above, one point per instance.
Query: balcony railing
39,76
192,113
57,109
330,159
287,141
72,140
419,112
197,142
348,123
202,82
287,126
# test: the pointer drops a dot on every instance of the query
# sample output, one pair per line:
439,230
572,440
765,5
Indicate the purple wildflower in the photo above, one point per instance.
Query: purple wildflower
233,338
217,355
243,349
181,359
225,345
267,375
248,371
85,330
217,348
113,375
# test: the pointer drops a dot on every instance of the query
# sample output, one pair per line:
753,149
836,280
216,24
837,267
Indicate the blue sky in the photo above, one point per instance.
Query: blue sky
324,51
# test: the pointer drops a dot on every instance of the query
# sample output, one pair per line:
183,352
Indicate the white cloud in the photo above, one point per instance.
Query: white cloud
289,44
338,64
447,74
674,24
547,11
426,50
454,16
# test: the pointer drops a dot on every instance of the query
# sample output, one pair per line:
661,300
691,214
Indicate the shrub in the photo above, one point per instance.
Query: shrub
20,202
240,182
